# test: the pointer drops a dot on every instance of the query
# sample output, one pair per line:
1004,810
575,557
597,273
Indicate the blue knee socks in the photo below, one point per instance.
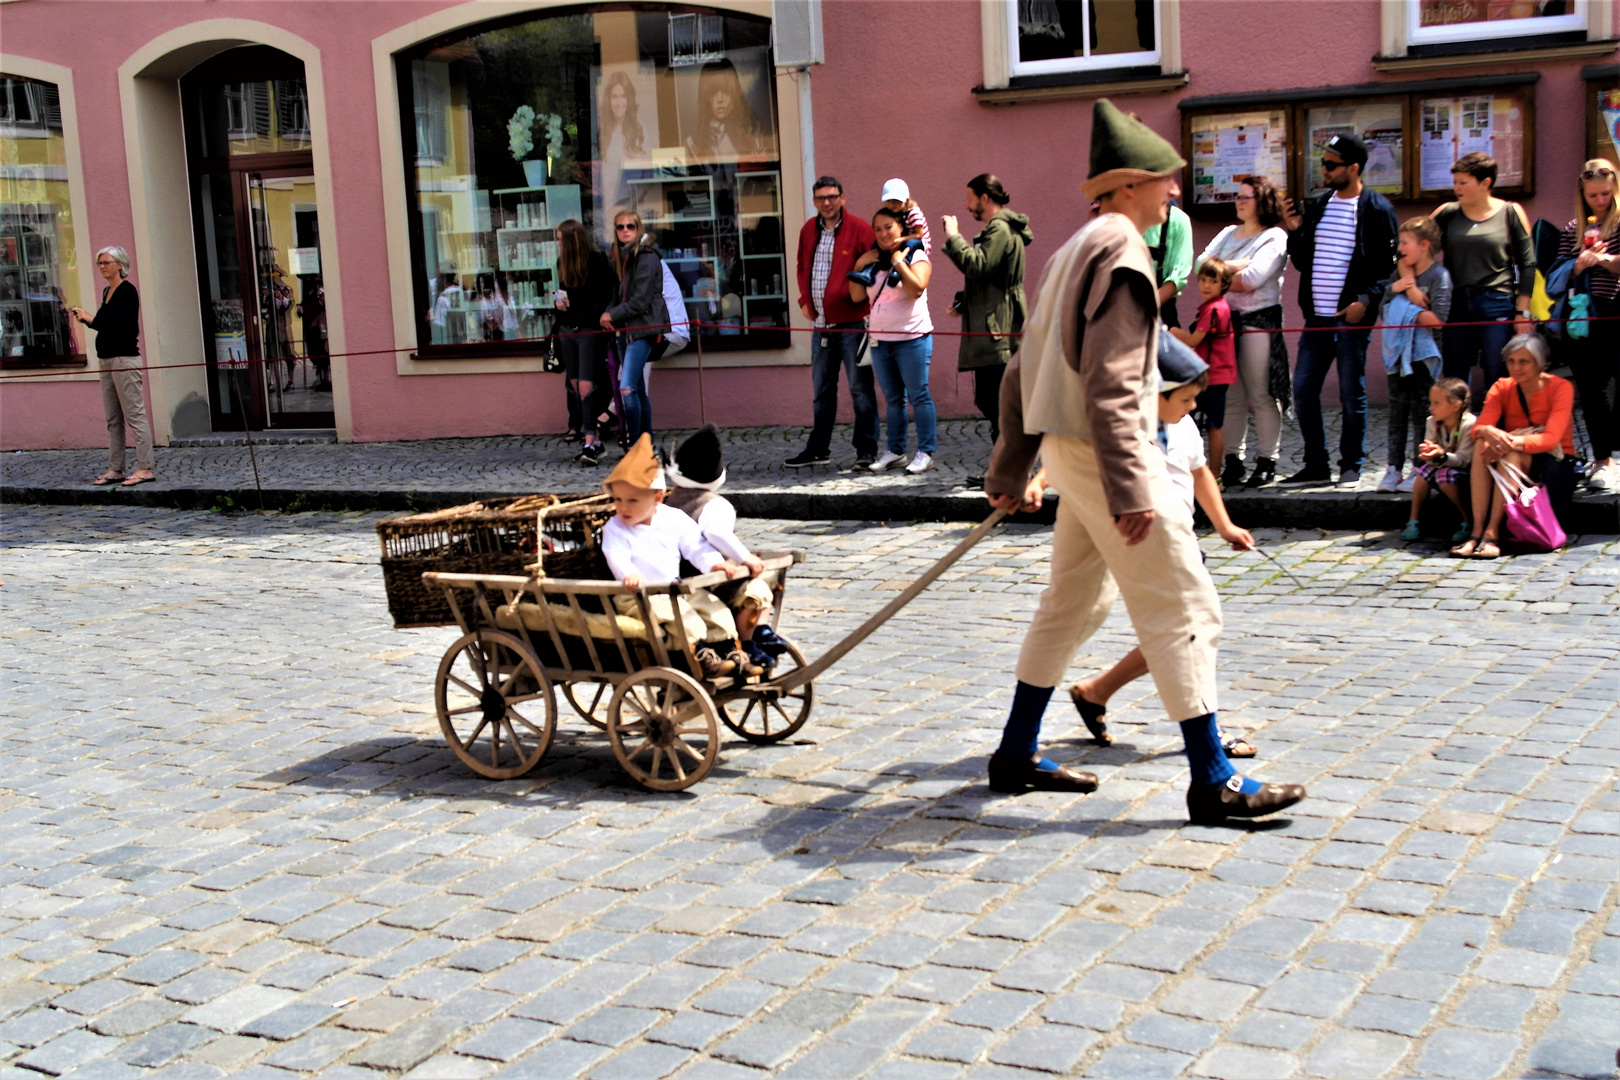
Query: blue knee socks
1023,732
1205,756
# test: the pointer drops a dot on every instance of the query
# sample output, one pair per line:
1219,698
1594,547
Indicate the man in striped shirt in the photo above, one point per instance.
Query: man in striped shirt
1343,243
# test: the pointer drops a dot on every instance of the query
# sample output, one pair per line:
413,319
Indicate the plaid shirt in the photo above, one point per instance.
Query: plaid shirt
821,265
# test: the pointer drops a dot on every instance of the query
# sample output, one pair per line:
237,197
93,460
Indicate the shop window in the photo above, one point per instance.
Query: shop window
39,273
1053,36
1435,22
521,125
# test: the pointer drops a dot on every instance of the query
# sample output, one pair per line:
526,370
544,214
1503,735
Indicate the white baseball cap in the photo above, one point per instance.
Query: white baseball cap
896,189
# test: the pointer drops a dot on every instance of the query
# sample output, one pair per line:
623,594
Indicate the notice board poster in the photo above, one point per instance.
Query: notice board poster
1450,127
1229,148
1379,124
1609,110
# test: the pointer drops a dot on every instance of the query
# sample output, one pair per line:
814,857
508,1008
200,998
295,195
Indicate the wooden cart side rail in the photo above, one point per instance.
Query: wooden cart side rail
593,586
799,676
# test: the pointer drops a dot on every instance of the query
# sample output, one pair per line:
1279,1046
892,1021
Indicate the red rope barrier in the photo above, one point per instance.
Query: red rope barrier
43,374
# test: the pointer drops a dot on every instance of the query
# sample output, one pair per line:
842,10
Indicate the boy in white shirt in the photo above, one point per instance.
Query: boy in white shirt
645,540
1182,376
697,472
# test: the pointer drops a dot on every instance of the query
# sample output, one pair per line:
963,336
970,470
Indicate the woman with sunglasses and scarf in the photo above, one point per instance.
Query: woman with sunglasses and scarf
638,312
1597,357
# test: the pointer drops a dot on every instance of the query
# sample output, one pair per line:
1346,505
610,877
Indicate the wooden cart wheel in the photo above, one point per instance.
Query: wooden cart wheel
662,726
590,700
763,716
495,704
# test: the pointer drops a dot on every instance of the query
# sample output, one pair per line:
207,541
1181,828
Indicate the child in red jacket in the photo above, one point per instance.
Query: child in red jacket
1211,337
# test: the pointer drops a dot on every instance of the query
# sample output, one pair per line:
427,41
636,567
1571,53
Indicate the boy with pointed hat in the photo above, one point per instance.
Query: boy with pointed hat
645,541
697,471
1081,393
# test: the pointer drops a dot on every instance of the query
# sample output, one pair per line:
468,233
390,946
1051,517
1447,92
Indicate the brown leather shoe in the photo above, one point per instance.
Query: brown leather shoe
1212,804
1014,776
713,665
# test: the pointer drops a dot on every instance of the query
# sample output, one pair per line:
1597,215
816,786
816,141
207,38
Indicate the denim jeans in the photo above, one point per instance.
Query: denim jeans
901,368
633,389
1318,351
828,353
1463,345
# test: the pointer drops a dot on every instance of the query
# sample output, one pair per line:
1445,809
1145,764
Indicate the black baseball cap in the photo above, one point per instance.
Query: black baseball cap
1351,150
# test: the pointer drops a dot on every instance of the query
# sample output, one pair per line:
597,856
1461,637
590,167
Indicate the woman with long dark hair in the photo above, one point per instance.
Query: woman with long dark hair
621,139
587,283
638,311
726,128
1257,248
902,335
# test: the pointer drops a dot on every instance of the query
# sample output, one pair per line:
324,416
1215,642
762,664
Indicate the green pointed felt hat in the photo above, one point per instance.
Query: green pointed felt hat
1125,151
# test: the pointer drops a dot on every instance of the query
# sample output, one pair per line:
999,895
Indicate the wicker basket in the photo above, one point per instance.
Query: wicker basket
496,536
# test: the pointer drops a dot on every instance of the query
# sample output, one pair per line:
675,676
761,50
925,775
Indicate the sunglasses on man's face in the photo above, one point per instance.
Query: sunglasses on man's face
1331,166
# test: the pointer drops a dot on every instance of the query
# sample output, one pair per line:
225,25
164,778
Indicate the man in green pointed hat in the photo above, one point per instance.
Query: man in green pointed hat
1081,394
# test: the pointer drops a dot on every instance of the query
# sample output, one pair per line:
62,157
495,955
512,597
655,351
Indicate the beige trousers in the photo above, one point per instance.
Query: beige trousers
123,402
1168,594
702,615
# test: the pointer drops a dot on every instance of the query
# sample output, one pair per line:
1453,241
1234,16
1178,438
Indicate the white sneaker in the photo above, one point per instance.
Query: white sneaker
1598,478
1405,486
921,463
1391,480
888,461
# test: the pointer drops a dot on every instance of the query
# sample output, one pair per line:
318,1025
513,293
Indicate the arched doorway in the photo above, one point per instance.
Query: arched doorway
250,164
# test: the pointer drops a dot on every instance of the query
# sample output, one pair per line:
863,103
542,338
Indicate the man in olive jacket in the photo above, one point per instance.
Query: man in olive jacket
992,300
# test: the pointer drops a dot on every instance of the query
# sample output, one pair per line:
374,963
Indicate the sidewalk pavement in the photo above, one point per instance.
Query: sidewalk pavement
307,471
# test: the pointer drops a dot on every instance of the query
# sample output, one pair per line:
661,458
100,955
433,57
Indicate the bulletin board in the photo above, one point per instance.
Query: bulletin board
1380,124
1603,120
1500,124
1413,138
1224,149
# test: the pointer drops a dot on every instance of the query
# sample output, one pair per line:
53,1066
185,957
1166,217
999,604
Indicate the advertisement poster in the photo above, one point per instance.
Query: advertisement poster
1486,124
1609,106
1438,147
1231,148
1378,124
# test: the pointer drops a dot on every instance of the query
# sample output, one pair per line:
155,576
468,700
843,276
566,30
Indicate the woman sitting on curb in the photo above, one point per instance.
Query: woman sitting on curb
1538,412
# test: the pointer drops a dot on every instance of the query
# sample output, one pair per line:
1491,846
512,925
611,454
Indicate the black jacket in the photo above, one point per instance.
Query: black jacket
117,323
588,300
639,302
1370,262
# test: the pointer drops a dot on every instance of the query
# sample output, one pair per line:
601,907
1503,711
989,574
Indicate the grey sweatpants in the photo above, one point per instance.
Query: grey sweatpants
124,403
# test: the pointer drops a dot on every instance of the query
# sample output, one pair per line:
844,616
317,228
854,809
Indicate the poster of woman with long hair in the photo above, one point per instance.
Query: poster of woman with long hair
621,140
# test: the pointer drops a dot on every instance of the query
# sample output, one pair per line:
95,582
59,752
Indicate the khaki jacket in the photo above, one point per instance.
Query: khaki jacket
993,294
1088,367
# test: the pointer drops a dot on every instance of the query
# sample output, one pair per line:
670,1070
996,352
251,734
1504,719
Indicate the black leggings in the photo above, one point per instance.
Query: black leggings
1597,363
987,395
584,358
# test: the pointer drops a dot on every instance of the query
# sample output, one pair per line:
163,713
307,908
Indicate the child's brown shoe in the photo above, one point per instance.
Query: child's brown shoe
746,668
713,665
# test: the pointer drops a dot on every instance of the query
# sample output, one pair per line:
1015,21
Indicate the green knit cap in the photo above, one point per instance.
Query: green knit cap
1125,150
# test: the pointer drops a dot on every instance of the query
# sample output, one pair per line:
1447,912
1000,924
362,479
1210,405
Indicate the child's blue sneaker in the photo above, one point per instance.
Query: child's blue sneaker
768,641
866,276
1412,532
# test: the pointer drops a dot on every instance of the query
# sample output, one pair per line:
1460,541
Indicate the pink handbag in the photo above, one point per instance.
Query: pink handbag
1530,519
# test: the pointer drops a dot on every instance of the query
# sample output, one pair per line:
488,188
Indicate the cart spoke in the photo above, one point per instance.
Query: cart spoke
513,714
657,759
463,712
514,742
692,729
777,705
475,660
470,739
682,744
522,698
675,760
495,745
473,691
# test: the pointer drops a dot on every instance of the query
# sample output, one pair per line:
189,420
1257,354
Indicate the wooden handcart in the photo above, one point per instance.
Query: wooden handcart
526,637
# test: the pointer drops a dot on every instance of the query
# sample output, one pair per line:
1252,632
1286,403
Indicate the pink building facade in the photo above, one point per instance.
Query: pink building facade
365,196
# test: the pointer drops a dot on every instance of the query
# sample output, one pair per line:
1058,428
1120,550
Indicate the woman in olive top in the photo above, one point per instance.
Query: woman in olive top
1493,270
117,327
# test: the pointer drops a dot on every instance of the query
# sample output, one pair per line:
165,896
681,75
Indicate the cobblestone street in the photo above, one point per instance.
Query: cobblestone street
233,841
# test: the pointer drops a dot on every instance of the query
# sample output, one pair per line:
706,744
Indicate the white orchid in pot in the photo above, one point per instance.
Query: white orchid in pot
520,134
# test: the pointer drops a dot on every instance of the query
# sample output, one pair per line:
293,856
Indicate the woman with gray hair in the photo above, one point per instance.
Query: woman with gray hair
1528,420
117,327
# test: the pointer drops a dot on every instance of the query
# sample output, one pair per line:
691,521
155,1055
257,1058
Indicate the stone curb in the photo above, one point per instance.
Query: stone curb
1291,509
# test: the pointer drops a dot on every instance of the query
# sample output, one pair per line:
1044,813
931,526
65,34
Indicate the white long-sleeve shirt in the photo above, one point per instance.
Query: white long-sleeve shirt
718,522
654,550
1259,285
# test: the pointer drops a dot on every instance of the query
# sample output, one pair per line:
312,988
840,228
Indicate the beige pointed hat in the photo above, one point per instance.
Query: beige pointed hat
639,467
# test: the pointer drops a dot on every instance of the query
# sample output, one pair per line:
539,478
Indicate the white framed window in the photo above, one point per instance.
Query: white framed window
1444,22
1048,37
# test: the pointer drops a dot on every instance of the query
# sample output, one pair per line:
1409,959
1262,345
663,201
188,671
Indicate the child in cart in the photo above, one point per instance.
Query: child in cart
1183,376
646,540
697,471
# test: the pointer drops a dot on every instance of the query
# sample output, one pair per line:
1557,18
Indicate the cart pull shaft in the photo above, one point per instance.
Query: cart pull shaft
799,676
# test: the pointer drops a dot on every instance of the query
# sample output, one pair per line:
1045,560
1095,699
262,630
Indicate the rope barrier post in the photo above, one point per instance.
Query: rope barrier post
703,404
247,430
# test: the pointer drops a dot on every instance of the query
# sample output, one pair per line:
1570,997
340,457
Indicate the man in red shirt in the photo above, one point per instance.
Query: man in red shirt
829,244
